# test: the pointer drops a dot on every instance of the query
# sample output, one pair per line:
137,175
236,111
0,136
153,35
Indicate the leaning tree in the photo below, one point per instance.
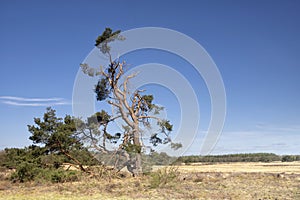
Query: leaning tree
134,108
57,139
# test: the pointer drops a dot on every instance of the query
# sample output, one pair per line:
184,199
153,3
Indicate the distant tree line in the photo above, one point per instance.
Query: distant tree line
247,157
290,158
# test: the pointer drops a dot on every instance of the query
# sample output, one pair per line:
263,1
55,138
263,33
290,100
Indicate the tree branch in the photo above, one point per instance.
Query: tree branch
149,117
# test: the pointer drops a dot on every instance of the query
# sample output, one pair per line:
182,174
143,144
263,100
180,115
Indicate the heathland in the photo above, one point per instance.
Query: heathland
230,180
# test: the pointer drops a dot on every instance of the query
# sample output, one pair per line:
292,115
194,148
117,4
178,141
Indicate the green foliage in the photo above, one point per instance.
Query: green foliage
176,146
99,118
103,116
16,156
55,142
31,172
3,158
132,148
102,89
34,164
107,33
155,140
25,172
106,37
13,157
58,175
164,177
147,103
289,158
58,136
165,126
163,136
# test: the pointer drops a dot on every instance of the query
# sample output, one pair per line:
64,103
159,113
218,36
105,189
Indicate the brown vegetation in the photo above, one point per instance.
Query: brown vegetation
243,181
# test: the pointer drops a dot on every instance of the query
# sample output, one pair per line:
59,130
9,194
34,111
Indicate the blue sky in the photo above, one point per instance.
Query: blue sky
255,44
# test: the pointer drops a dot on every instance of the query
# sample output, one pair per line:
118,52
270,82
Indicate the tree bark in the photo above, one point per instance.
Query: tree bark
138,165
138,154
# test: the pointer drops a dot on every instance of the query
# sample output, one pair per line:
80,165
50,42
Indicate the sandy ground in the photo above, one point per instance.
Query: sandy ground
257,167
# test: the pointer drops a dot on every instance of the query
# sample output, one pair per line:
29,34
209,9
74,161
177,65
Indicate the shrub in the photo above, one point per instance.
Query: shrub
163,177
60,175
25,172
30,172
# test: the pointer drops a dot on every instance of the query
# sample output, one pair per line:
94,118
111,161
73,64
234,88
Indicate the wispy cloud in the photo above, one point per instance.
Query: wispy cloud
30,99
21,101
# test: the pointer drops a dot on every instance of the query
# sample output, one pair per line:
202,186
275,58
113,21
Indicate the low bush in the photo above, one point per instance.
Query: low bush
25,172
29,172
163,177
59,175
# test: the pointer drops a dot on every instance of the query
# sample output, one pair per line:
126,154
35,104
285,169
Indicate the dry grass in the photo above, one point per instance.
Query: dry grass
257,167
218,181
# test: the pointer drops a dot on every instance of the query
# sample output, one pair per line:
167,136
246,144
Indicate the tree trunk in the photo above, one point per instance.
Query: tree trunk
138,165
75,160
134,164
138,171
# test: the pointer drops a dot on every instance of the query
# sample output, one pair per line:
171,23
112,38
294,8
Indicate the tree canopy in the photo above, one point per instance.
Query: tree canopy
135,108
59,136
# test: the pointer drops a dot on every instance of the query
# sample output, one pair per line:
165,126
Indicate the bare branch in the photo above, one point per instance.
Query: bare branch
120,71
150,117
112,119
127,79
115,104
